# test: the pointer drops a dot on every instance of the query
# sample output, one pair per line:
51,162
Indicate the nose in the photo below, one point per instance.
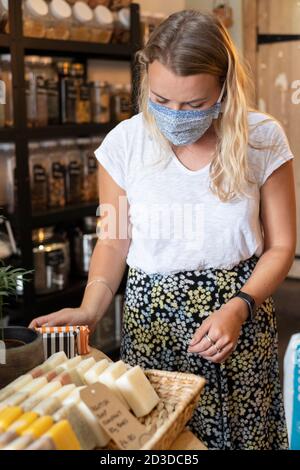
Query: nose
175,106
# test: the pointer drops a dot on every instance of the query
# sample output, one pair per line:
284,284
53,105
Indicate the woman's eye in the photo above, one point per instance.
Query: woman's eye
196,106
161,101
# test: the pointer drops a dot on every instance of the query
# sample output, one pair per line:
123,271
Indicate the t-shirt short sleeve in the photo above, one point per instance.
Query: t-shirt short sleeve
111,154
278,153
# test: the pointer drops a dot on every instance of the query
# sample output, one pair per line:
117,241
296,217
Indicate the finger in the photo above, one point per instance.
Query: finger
219,357
205,344
200,332
213,349
54,319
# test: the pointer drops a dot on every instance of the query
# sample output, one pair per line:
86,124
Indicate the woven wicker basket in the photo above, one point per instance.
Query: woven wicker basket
179,394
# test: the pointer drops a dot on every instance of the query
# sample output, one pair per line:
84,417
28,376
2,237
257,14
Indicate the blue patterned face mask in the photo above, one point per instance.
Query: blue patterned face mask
183,127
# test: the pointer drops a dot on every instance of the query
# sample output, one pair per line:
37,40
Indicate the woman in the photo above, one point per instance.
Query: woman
209,187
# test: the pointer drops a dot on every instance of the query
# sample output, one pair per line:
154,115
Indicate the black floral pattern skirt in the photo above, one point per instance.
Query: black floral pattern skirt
242,405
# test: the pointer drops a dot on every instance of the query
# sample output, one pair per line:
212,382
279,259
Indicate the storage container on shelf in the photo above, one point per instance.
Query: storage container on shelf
52,101
41,102
38,164
95,3
67,93
34,18
7,89
90,170
122,26
118,4
81,22
74,170
83,103
7,176
4,19
102,25
122,102
100,93
59,20
149,22
57,172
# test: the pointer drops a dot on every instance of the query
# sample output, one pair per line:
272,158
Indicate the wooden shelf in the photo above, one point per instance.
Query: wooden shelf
7,134
86,49
5,42
64,214
68,130
272,38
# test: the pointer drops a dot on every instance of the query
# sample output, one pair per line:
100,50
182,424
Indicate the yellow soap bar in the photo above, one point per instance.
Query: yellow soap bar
23,422
91,376
9,416
63,436
38,427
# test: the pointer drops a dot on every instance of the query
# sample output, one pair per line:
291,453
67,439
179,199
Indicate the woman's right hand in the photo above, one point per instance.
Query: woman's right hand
66,316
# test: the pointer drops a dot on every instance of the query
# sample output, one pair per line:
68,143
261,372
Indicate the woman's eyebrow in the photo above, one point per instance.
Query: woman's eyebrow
185,102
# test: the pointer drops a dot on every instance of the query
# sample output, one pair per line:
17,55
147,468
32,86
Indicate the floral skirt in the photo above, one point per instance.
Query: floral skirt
241,406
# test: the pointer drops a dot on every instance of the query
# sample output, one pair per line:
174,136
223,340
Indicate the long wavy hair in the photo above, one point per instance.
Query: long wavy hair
190,42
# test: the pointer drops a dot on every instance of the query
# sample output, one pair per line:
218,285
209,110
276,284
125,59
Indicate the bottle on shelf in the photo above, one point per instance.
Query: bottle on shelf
41,102
53,101
122,102
100,102
83,103
67,93
90,169
4,19
59,20
6,91
34,18
74,170
103,24
7,176
38,164
56,175
81,21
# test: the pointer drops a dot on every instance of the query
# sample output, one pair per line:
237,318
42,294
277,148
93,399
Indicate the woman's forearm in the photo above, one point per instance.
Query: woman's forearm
108,262
271,269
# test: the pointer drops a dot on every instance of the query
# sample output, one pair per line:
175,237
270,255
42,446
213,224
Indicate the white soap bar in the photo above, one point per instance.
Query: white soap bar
47,407
15,386
70,364
109,377
102,438
14,400
21,395
137,391
43,393
85,366
74,397
34,386
56,360
64,392
91,376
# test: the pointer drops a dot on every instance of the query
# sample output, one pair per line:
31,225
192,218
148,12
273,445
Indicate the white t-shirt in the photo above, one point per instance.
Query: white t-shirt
177,223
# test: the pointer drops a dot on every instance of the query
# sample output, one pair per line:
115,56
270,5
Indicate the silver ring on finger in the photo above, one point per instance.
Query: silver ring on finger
210,340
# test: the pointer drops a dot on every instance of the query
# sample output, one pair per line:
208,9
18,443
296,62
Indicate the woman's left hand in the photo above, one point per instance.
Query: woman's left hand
218,335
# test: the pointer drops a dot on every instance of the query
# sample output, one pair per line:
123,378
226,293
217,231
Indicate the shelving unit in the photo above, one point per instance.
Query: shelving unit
24,220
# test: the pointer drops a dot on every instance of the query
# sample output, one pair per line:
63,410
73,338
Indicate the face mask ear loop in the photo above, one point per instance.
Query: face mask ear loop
222,92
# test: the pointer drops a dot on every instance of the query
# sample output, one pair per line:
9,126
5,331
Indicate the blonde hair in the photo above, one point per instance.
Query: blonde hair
188,43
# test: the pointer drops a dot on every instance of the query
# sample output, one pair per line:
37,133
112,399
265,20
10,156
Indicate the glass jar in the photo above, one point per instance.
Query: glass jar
6,90
34,18
38,164
31,90
41,102
57,171
122,102
90,170
96,3
103,25
83,104
59,20
100,102
122,26
81,22
118,4
67,93
52,101
73,165
4,22
7,176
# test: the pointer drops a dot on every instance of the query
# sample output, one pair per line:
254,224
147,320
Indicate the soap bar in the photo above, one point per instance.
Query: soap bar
16,428
91,376
86,427
73,397
43,393
8,416
138,391
85,366
48,406
26,391
64,392
15,386
32,432
53,361
65,366
70,377
109,377
61,437
14,400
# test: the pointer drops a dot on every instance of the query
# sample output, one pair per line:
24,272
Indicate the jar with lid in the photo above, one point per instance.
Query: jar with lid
83,104
118,4
73,165
6,90
82,21
59,20
56,175
103,25
31,90
38,164
90,170
7,177
67,93
122,102
96,3
85,239
100,102
41,102
122,26
4,21
51,254
34,18
53,101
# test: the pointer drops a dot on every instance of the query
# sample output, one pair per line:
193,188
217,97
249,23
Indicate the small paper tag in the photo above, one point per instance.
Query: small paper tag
2,92
123,428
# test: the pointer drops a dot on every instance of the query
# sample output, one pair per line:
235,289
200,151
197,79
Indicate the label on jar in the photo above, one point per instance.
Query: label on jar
70,90
57,170
39,174
92,164
74,168
84,93
2,92
54,258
